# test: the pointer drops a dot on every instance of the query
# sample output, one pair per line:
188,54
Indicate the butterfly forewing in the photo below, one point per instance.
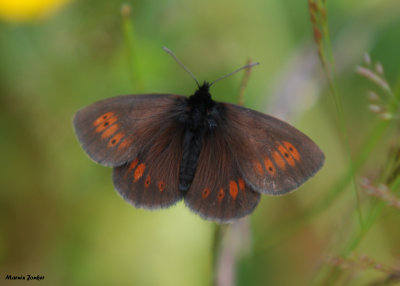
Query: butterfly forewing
218,191
113,131
274,157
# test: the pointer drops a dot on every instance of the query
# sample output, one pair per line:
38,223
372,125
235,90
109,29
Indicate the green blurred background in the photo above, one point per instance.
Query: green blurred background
59,214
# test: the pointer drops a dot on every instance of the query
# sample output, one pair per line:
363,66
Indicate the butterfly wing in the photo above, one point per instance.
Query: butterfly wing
274,157
114,130
141,136
218,191
151,180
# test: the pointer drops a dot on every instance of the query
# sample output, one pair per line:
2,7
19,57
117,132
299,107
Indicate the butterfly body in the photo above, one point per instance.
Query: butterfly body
199,118
217,157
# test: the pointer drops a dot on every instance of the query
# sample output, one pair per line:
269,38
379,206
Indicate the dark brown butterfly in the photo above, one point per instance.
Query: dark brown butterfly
217,157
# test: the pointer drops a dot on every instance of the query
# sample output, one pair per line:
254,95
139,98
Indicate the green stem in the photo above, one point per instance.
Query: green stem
371,218
219,232
129,36
332,274
331,75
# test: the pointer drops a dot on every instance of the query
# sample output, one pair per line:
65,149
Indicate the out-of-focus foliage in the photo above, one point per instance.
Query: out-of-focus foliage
59,214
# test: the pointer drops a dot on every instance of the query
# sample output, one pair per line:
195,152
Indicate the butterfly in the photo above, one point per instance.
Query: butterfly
218,157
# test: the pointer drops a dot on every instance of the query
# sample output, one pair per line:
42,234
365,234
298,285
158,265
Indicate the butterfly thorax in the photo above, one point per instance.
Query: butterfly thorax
199,118
199,106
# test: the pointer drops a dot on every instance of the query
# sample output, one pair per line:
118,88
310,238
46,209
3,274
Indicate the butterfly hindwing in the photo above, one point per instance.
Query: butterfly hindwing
151,180
274,157
114,130
218,191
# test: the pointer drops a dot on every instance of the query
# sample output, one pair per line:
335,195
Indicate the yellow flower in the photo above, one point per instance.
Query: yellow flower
28,10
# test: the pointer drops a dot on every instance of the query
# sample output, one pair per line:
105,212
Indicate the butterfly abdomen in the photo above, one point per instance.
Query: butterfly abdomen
191,151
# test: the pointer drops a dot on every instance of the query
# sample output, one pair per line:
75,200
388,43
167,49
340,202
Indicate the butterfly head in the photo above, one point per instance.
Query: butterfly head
202,95
201,108
204,89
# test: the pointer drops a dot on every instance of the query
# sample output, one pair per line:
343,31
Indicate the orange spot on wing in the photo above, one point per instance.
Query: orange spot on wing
161,186
115,140
139,172
279,160
233,189
103,118
147,182
258,168
221,194
292,150
125,143
131,166
241,184
269,166
286,155
107,123
206,192
110,131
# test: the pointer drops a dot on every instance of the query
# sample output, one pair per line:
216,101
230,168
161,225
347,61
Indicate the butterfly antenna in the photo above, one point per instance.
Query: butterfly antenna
239,69
181,64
